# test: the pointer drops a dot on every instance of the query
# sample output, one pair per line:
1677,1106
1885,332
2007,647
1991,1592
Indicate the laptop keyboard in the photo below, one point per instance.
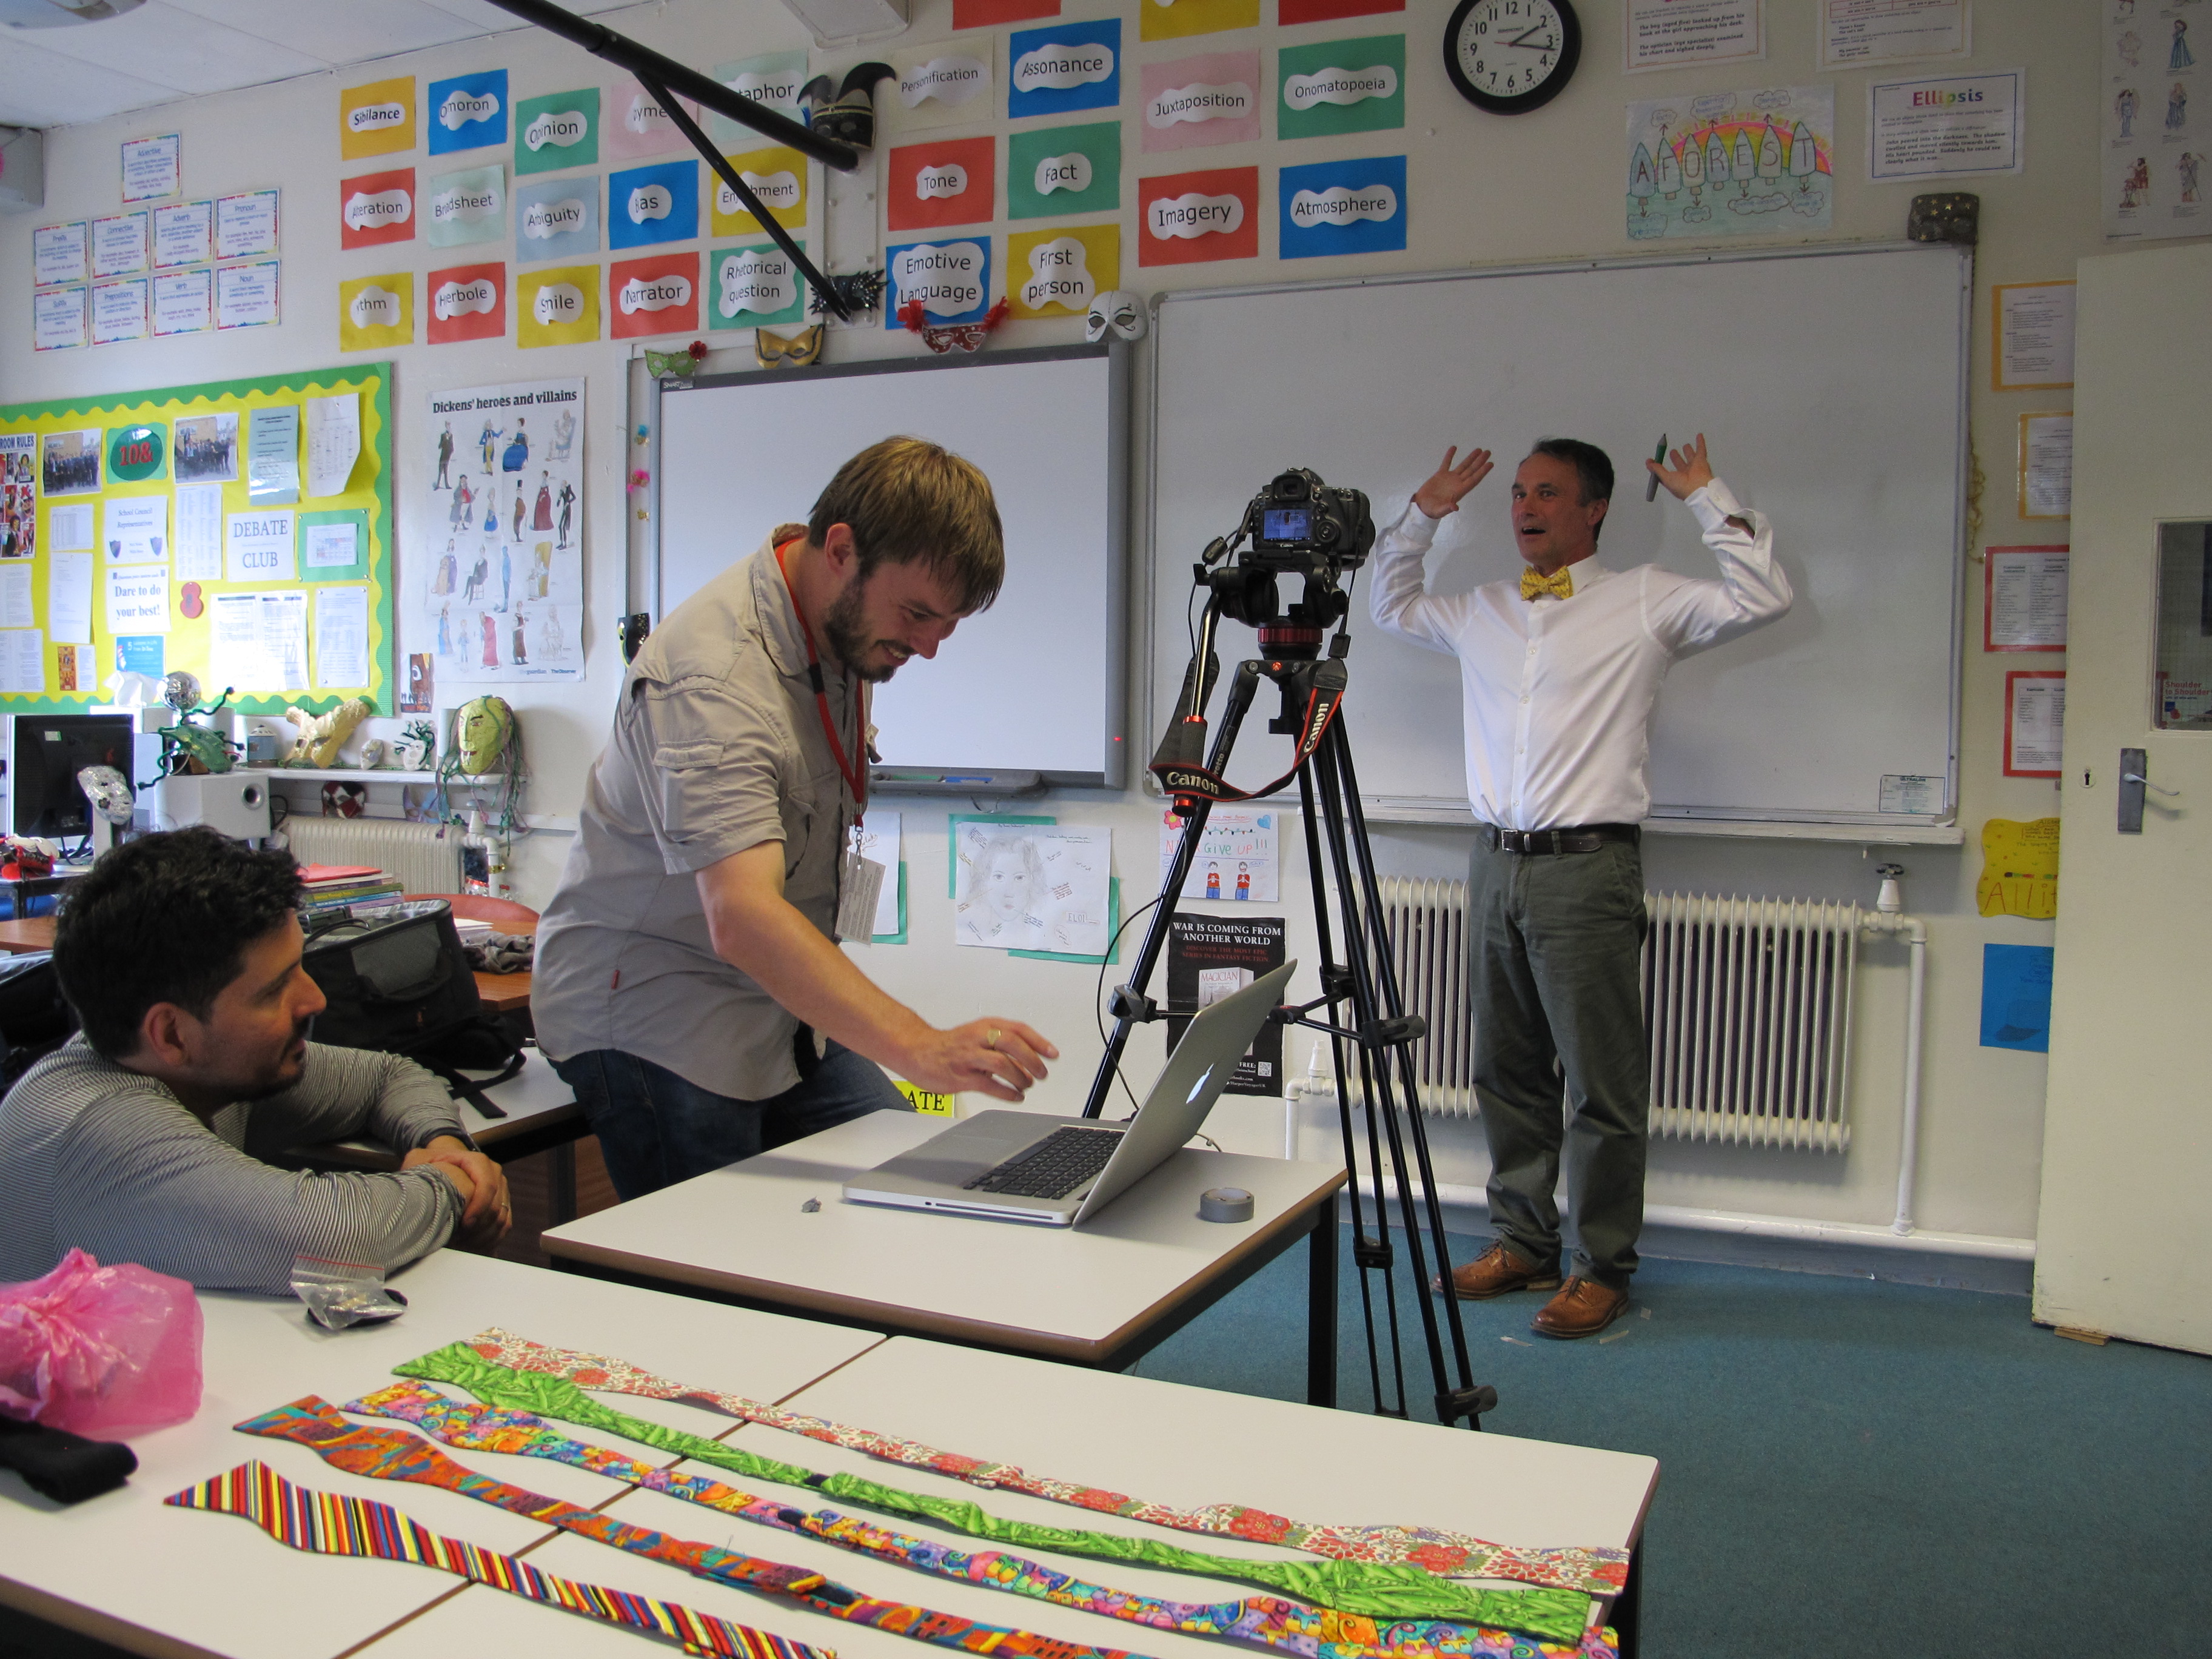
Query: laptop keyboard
1055,1167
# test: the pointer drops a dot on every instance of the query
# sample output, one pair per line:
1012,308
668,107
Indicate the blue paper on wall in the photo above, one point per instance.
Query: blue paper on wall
649,205
1063,67
139,654
2016,997
466,113
1343,207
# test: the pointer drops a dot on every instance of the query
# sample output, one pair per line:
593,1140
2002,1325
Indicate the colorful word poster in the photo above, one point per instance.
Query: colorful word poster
499,598
772,80
1063,68
1236,860
951,280
1055,171
2016,997
944,182
1211,959
152,167
1211,99
1657,34
1343,207
751,286
561,129
935,85
1190,218
1057,273
1186,17
1760,162
377,118
18,495
2152,167
1341,86
467,112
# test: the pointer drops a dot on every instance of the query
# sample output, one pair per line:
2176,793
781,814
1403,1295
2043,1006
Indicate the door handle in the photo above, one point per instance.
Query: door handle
2135,763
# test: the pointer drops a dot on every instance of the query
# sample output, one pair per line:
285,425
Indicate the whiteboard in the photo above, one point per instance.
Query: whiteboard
1831,386
1033,690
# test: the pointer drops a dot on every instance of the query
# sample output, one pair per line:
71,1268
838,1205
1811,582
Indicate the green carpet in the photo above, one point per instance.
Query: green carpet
1847,1467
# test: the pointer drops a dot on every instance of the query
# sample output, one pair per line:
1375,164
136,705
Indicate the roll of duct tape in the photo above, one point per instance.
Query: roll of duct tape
1225,1204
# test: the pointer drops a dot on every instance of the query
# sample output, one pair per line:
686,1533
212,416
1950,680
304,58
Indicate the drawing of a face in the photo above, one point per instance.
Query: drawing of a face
1011,873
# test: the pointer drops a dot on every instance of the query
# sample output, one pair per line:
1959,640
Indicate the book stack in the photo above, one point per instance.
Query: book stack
344,887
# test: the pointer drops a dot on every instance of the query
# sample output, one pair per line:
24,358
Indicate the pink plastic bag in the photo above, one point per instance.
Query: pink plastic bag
103,1351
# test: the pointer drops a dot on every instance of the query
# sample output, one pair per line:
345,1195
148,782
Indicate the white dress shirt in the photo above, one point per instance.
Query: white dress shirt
1559,692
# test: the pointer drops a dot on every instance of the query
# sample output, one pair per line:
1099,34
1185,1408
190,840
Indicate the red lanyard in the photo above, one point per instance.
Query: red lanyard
856,779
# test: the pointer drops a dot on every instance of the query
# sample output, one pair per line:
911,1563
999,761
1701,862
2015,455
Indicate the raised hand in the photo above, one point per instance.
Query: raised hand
1441,492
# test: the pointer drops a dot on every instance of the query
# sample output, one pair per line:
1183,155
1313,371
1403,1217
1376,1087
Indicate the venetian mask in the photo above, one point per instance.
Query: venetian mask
1119,310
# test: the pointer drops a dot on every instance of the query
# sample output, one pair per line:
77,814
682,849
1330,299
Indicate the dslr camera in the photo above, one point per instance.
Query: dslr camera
1299,525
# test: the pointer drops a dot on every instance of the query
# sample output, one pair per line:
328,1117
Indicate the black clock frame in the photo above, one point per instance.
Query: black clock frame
1571,53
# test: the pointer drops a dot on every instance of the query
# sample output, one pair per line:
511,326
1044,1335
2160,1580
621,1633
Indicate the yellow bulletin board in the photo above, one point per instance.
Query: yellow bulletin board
133,467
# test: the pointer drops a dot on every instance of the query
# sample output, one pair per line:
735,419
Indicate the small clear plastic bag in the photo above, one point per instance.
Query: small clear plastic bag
339,1294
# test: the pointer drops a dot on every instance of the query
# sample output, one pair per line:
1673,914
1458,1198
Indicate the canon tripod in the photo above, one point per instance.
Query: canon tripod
1379,1033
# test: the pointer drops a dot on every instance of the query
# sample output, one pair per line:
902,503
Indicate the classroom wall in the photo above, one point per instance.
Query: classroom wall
1481,190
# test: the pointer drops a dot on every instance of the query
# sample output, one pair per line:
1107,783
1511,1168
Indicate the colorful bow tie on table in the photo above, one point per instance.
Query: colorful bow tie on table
394,1455
799,350
1560,584
1431,1550
1258,1620
324,1523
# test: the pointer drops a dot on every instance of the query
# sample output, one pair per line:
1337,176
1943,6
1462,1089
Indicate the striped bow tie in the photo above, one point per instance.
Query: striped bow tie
1560,584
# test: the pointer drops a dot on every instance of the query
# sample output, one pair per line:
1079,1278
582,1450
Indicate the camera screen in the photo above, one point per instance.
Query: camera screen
1286,523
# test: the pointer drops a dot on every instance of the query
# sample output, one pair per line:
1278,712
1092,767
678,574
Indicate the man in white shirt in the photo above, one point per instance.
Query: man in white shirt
1560,669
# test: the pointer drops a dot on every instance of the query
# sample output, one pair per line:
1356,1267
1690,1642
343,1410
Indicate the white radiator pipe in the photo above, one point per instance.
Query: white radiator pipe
1984,1246
1914,932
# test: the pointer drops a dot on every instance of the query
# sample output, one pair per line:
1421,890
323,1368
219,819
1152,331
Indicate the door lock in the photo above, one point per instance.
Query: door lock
2133,763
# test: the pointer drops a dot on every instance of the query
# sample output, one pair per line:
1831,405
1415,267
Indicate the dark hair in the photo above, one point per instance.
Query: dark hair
166,918
906,501
1593,467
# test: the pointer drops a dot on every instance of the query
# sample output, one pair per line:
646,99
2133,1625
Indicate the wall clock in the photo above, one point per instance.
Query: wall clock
1510,57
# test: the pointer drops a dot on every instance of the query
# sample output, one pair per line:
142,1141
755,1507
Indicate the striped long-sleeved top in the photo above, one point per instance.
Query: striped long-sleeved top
95,1156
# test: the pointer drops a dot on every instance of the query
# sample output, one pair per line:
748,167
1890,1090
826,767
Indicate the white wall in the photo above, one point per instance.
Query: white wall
1481,190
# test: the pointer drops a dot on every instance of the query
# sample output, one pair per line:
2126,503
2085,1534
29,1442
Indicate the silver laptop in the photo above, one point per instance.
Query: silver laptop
1060,1171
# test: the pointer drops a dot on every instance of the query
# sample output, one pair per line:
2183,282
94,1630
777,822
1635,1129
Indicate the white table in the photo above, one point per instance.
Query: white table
1102,1294
1156,1440
127,1569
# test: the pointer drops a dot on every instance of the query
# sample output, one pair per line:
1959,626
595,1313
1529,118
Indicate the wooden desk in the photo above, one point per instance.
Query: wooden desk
502,993
1102,1295
1157,1440
154,1580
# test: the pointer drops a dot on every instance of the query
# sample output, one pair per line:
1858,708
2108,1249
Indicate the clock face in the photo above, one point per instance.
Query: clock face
1510,57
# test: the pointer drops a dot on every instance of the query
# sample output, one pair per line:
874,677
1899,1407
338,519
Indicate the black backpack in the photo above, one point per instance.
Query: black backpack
397,980
35,1018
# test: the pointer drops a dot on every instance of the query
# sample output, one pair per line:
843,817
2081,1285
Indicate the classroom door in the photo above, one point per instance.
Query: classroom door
2124,1244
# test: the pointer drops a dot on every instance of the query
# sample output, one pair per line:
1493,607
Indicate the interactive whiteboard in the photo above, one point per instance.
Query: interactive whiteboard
1032,690
1831,386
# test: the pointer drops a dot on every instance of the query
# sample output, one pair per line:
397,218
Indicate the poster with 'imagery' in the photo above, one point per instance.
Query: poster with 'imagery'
497,590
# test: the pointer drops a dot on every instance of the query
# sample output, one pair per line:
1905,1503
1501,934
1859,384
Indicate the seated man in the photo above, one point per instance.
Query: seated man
141,1139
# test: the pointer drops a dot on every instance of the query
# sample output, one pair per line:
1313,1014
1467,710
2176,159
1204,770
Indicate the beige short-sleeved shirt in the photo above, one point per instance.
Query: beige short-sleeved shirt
717,746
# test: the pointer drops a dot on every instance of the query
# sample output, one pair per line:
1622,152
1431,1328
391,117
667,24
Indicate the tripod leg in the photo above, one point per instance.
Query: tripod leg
1363,930
1366,1254
1241,693
1417,1130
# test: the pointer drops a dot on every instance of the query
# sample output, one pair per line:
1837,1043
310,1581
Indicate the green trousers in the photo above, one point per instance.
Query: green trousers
1553,942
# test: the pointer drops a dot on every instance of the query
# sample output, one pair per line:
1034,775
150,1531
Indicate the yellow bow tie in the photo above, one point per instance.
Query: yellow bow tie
1560,584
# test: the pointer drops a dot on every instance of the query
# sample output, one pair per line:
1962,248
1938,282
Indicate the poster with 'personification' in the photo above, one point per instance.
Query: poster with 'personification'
497,594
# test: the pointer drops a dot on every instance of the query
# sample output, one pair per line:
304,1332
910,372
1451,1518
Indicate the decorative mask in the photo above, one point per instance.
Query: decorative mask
1118,309
481,728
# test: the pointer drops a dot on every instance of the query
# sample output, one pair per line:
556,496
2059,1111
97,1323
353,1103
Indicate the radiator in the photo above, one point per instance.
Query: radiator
1747,1003
425,860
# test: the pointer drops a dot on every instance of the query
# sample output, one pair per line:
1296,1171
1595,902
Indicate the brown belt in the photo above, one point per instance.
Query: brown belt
1574,838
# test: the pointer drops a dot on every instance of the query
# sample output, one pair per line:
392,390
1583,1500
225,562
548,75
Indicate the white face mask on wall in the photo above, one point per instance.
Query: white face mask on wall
1119,310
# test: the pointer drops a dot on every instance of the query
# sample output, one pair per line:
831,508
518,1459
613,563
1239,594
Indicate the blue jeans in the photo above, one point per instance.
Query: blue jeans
656,1128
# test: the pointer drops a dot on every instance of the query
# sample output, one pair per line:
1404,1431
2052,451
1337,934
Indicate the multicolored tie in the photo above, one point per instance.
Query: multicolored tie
1560,584
1259,1621
391,1454
325,1523
1593,1571
1378,1590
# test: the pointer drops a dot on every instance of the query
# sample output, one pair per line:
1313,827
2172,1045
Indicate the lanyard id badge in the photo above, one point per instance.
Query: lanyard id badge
860,887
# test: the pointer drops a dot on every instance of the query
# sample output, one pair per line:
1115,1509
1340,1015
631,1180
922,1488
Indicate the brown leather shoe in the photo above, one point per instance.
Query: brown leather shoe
1497,1272
1584,1308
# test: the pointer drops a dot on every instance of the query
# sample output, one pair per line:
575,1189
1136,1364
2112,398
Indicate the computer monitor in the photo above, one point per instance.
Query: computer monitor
45,754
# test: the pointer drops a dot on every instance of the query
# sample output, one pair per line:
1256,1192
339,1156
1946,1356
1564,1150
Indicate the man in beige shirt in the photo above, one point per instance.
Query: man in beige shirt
688,982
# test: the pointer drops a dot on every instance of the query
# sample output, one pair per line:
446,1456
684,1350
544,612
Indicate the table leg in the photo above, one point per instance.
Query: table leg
563,1169
1320,1307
